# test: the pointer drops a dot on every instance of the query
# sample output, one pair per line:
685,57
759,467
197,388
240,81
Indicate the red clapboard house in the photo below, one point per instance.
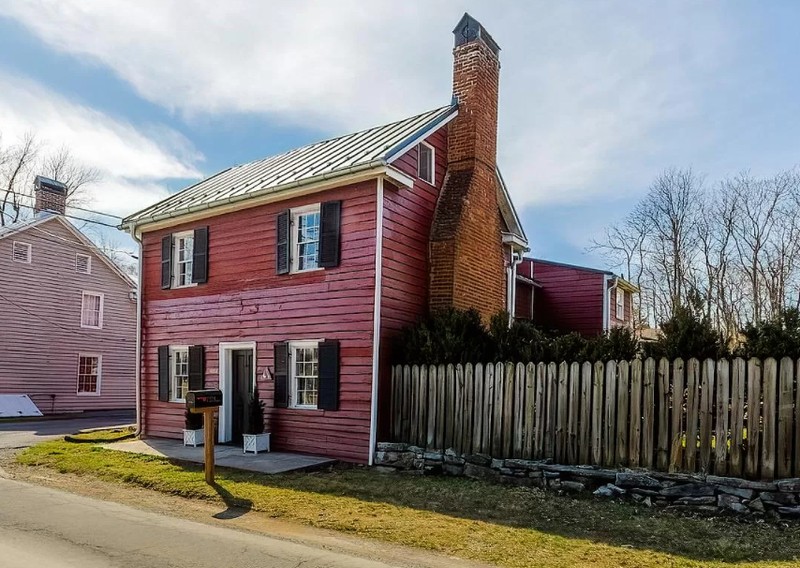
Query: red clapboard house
566,297
294,272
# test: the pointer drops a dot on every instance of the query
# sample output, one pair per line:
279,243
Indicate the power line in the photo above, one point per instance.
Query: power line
30,197
74,217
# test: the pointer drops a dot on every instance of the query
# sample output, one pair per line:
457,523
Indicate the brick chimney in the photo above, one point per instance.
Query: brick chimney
468,267
51,196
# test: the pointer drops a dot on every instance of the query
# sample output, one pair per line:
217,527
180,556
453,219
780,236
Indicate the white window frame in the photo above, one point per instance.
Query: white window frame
173,377
620,304
293,347
88,263
176,262
28,256
432,168
295,244
84,294
96,392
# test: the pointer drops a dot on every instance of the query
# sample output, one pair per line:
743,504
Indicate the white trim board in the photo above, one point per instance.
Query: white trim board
225,385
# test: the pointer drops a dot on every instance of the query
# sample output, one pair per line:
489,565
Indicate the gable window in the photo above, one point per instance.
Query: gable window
425,162
179,373
21,252
92,310
304,357
183,256
89,374
305,238
620,304
83,263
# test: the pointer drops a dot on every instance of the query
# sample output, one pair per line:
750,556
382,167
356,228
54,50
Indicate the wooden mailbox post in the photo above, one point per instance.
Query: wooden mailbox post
206,402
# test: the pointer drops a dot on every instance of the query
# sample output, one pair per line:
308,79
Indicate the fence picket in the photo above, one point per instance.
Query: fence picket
676,417
562,417
550,424
519,411
458,407
413,404
585,413
469,409
635,438
783,466
441,405
610,415
706,413
508,409
692,412
648,413
574,412
405,423
769,389
597,414
433,407
751,467
478,409
662,400
623,412
422,412
488,410
722,406
530,401
540,413
737,417
497,419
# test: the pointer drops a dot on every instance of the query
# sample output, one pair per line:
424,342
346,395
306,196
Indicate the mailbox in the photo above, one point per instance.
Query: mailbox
210,398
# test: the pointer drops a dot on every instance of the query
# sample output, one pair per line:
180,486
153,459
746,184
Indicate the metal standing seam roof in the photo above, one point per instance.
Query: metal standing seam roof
361,150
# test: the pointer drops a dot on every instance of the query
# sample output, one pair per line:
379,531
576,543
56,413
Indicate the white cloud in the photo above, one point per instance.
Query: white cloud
585,88
132,164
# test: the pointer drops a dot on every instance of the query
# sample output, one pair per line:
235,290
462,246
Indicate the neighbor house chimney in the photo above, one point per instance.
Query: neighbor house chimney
466,250
51,196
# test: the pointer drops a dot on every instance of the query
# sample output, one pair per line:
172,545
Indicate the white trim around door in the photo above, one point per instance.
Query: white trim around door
226,385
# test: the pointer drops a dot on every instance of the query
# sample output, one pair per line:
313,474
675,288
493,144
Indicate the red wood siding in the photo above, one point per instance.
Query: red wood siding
245,300
408,215
40,324
570,299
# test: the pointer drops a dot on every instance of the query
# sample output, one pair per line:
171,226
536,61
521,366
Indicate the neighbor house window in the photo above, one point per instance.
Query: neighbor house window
89,374
425,162
305,238
183,255
620,304
21,252
179,373
92,310
304,373
83,263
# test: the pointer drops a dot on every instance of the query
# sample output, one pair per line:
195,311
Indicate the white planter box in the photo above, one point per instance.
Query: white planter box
193,437
256,442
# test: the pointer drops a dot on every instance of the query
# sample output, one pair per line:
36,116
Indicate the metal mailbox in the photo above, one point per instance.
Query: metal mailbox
209,398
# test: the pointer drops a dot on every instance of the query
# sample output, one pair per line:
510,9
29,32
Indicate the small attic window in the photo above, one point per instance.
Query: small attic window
83,263
425,162
21,252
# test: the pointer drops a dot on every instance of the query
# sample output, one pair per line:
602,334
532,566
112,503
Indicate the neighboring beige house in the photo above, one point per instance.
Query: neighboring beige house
67,314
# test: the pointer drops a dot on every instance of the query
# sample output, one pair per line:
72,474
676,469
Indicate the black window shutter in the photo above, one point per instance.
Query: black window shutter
328,375
163,373
200,256
197,367
329,230
281,368
166,262
282,243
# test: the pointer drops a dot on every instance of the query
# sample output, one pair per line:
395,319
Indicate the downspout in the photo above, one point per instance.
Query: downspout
138,371
511,288
376,323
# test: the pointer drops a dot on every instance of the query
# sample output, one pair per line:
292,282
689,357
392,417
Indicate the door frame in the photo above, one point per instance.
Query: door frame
226,384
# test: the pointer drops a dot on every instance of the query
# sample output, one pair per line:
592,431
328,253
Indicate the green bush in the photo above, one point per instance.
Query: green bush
618,344
446,336
688,333
520,341
779,337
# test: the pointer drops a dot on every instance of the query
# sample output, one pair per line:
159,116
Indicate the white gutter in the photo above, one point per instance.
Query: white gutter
607,300
511,283
376,323
138,371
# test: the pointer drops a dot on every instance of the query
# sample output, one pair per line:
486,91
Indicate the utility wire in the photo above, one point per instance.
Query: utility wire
32,198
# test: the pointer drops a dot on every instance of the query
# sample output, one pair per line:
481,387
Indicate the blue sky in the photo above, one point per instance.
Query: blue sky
596,98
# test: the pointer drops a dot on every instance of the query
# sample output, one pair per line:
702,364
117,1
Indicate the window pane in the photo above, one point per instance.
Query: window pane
88,371
306,376
307,240
184,251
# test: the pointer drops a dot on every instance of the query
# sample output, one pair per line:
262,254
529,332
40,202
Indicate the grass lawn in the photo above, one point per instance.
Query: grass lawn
480,521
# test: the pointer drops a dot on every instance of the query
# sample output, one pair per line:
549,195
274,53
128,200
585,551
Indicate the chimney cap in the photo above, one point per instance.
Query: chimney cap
42,183
469,29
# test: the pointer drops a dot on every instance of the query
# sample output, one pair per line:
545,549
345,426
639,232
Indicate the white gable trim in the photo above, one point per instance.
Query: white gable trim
419,137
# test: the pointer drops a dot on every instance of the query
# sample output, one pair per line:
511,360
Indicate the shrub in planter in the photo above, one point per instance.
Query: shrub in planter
193,429
255,440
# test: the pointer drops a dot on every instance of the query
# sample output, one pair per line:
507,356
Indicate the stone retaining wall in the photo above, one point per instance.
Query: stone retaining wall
690,493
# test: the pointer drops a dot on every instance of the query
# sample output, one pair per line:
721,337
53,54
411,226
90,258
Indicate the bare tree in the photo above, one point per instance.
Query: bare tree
15,170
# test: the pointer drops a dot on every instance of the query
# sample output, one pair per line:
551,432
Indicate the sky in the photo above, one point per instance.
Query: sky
596,98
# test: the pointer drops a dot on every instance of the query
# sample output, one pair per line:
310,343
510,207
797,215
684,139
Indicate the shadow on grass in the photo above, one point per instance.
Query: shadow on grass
236,506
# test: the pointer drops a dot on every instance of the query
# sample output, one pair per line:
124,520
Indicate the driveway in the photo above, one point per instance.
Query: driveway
24,433
44,527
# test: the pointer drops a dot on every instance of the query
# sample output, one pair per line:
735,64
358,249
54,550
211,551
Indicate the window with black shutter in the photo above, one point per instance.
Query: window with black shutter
282,242
166,261
281,374
329,231
197,367
163,373
200,256
328,375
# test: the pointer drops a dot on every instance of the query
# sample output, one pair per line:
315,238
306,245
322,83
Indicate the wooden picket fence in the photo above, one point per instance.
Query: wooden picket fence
736,418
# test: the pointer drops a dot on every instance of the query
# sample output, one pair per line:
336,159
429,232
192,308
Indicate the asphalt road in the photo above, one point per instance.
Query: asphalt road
47,528
22,434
